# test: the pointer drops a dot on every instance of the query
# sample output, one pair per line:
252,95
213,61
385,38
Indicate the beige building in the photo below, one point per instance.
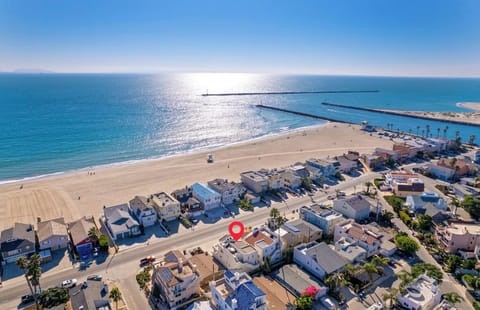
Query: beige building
459,236
237,255
177,279
167,207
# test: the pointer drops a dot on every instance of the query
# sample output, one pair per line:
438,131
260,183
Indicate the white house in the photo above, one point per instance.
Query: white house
354,207
143,209
318,258
266,243
236,291
236,255
208,198
421,294
231,192
322,217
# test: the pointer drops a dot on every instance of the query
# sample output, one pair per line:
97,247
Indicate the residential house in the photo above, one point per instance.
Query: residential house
17,241
374,162
208,198
177,279
411,187
257,183
318,259
120,222
92,295
298,231
52,234
422,293
182,195
399,177
349,249
461,167
167,207
78,231
346,165
315,174
405,151
298,281
274,178
354,207
458,235
322,217
188,204
386,154
291,179
231,192
266,243
143,208
236,255
352,155
369,237
299,169
426,201
443,173
237,291
328,167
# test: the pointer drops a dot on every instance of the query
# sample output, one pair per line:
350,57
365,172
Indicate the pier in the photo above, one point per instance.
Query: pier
459,122
293,93
261,106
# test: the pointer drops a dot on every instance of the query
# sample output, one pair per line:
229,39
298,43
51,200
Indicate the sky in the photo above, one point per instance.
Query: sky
364,37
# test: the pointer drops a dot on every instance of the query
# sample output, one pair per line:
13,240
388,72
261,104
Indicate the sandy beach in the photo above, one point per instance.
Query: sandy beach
59,195
470,105
467,117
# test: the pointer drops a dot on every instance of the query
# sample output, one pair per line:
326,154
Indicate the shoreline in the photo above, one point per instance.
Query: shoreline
75,194
159,157
474,106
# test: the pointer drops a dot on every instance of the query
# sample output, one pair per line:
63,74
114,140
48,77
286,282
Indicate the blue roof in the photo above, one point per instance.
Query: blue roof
203,190
246,293
228,274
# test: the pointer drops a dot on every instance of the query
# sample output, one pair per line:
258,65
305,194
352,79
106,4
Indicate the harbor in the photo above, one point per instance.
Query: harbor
292,93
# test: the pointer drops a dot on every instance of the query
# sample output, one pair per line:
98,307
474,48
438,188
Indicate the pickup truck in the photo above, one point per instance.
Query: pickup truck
147,260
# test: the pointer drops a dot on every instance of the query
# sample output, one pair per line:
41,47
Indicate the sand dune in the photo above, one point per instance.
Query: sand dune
58,195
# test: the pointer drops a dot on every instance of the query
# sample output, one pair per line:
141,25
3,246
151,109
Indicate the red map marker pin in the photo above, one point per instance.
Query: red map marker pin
236,230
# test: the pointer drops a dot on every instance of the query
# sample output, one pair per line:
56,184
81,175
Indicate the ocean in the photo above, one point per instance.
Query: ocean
51,123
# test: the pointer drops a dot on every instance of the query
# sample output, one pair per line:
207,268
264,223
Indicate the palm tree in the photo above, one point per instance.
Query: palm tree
391,297
472,139
438,132
93,234
274,213
406,278
35,271
423,132
388,216
445,131
418,128
23,263
427,129
351,270
453,297
368,184
457,134
115,295
370,269
335,280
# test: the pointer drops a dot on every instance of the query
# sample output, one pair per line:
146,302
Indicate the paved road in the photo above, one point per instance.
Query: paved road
449,284
122,267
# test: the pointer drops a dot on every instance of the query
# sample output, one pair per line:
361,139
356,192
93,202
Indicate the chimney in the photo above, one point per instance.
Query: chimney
180,265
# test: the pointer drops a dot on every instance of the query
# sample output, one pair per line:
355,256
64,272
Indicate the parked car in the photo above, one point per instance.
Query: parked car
27,299
95,252
95,277
147,260
69,283
331,197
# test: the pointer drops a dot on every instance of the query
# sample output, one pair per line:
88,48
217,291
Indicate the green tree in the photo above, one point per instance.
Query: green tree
34,270
288,254
453,298
452,262
304,302
23,263
424,222
116,296
380,262
370,269
307,183
274,213
388,216
54,297
471,205
335,281
103,242
432,271
93,234
406,244
368,185
391,297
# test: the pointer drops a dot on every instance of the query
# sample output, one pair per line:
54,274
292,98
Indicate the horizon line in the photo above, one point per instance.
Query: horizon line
51,72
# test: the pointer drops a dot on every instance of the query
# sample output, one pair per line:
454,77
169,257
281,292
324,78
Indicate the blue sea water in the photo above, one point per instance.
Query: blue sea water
58,122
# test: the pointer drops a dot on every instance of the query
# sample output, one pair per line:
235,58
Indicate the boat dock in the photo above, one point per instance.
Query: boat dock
459,122
261,106
293,93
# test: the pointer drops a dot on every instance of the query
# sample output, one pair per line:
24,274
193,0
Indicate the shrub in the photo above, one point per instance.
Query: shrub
143,278
405,217
103,242
396,202
406,244
432,271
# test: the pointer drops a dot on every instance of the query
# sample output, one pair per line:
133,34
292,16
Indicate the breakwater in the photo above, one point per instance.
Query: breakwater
261,106
293,93
401,114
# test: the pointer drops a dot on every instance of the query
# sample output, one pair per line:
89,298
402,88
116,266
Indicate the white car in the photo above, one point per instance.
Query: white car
69,283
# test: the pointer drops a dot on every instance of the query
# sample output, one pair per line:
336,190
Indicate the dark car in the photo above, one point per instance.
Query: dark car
147,260
27,299
95,277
